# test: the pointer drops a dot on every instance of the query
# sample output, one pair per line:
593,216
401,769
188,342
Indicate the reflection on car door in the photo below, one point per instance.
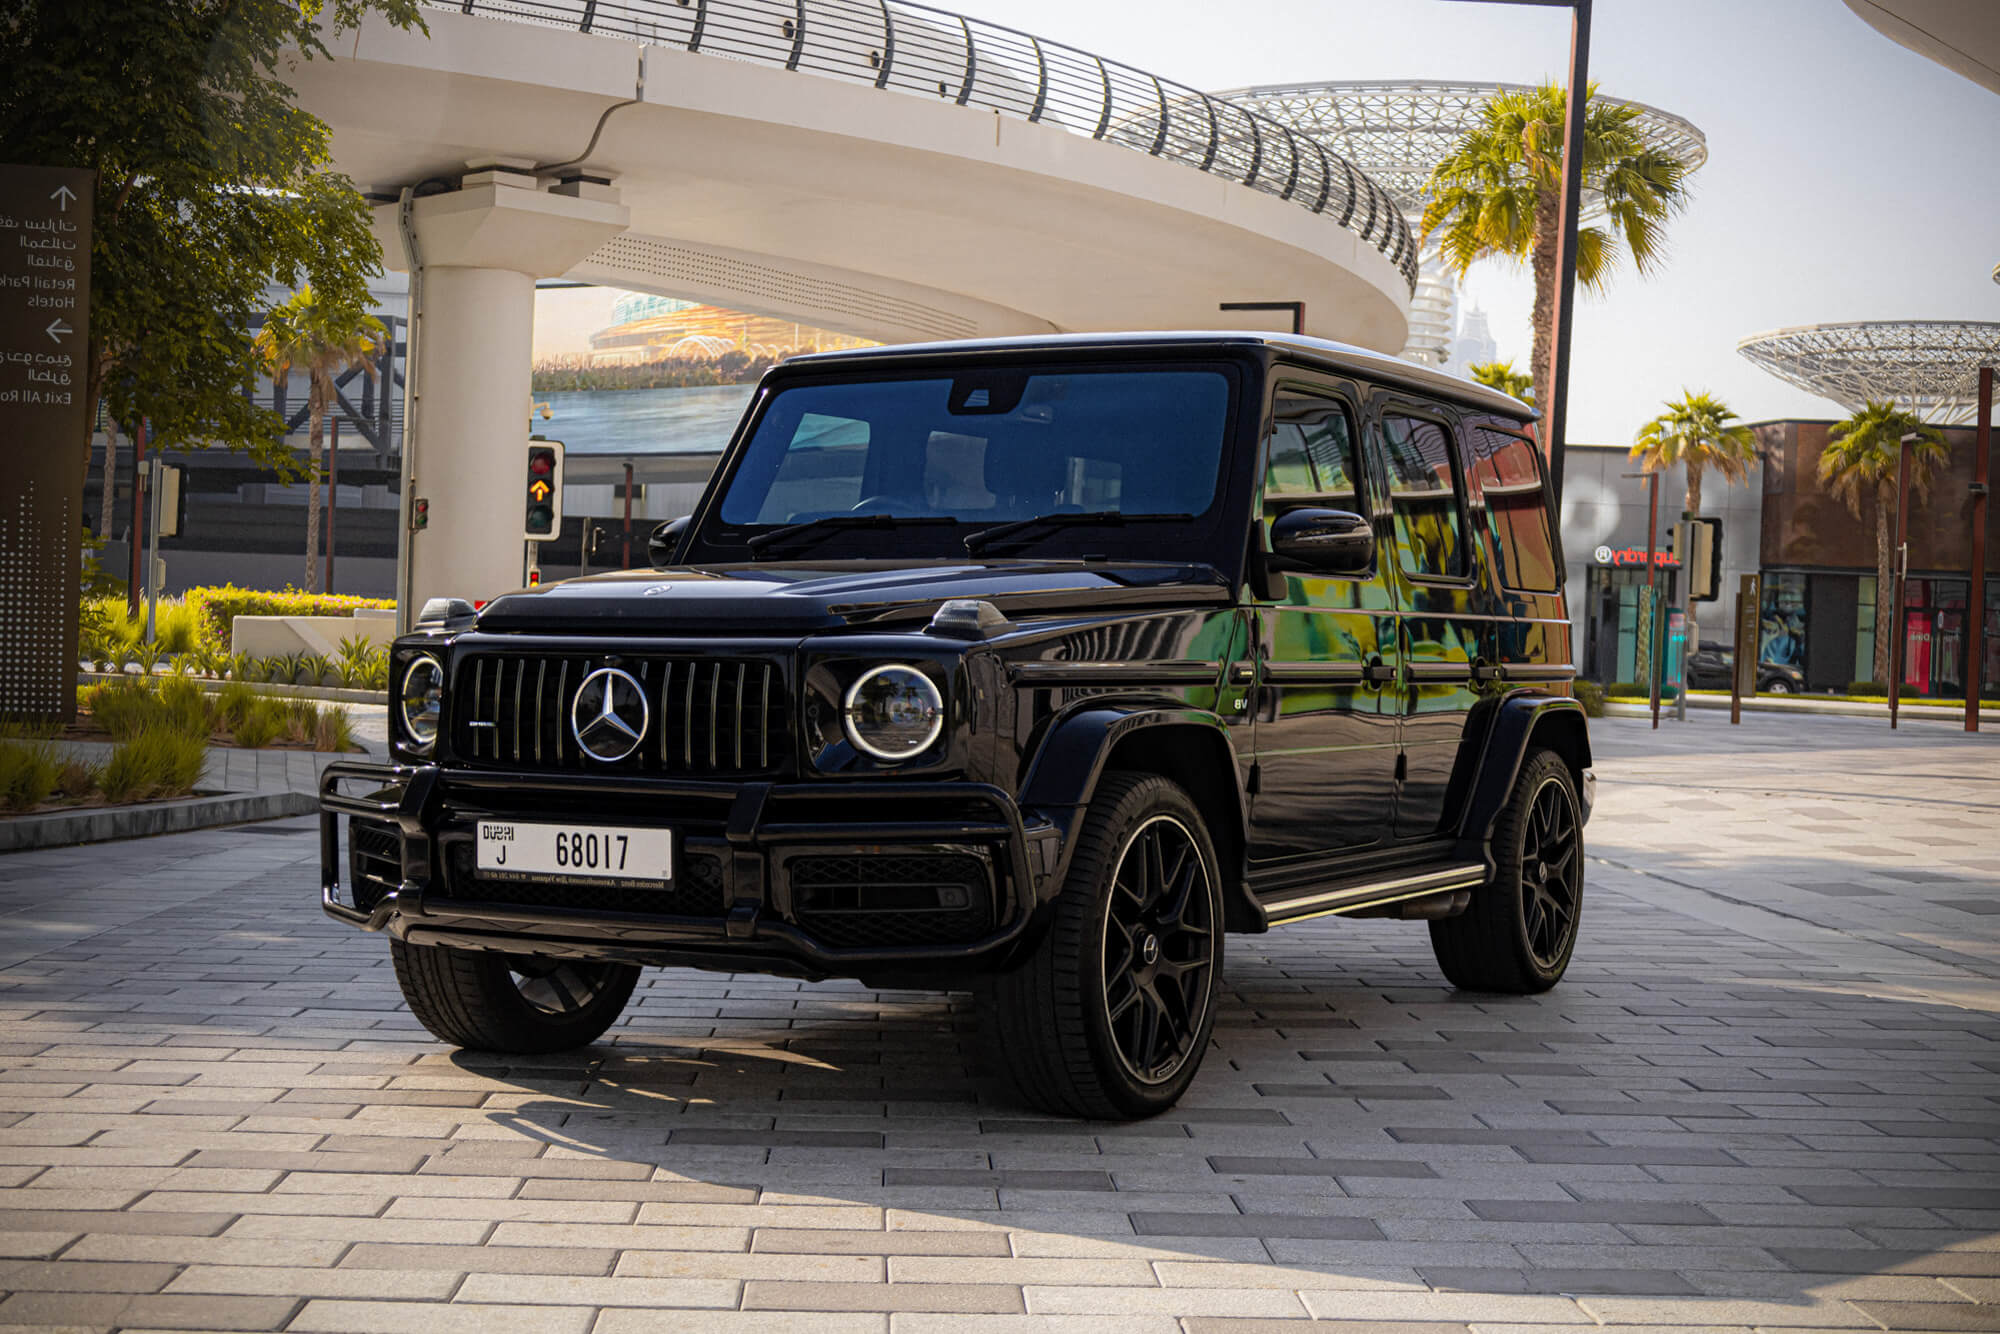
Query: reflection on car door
1325,741
1440,592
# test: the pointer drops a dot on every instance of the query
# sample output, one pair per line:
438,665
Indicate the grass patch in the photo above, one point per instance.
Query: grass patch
156,764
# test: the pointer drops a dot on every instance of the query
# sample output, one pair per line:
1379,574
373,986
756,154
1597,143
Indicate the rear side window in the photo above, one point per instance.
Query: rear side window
1509,474
1423,495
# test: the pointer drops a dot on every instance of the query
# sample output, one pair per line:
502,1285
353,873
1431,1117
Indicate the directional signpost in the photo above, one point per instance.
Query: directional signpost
44,329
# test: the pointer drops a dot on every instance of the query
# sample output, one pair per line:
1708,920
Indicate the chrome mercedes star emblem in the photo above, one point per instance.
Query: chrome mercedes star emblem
609,715
657,590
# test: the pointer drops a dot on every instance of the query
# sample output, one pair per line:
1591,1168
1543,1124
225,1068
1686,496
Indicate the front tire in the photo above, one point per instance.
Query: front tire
514,1003
1110,1016
1520,931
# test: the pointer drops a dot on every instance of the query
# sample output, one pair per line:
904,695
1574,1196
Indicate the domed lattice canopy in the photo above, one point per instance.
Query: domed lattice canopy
1930,367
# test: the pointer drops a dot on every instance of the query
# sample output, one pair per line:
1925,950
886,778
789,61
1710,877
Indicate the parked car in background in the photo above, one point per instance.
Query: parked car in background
1710,666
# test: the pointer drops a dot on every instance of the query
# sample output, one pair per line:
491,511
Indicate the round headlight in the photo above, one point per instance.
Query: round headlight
422,700
893,713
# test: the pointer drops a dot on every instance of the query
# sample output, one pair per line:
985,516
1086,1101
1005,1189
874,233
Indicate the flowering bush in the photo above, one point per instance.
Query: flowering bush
218,607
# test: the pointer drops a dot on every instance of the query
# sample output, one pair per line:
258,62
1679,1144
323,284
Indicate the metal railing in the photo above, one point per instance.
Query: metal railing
926,52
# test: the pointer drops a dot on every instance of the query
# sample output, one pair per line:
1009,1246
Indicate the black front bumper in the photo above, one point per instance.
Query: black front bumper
740,901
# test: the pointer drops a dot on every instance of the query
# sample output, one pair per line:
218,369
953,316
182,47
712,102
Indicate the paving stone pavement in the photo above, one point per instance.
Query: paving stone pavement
1767,1097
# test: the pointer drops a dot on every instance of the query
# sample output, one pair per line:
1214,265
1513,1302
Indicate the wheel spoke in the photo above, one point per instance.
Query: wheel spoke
1133,992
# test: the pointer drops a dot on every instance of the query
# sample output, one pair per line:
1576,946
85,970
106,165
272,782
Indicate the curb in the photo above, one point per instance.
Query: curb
1841,708
55,829
211,686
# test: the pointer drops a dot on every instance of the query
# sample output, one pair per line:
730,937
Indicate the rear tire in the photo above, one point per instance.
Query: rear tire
1110,1016
511,1002
1520,931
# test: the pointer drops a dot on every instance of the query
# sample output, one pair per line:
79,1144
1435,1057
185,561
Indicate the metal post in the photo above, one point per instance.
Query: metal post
1555,412
1685,544
1652,536
1902,575
154,487
332,496
628,515
1975,643
138,517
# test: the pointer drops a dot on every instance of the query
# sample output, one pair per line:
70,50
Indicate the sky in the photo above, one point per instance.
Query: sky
1848,178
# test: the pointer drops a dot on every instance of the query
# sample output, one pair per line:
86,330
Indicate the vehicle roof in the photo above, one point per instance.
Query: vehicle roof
1343,357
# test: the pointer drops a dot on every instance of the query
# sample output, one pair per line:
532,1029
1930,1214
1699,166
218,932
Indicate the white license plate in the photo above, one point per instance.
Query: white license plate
511,850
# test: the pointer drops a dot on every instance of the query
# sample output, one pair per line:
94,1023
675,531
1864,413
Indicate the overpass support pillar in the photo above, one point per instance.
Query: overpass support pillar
477,252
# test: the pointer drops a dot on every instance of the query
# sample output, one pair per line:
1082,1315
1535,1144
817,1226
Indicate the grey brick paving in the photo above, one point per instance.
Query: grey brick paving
1766,1098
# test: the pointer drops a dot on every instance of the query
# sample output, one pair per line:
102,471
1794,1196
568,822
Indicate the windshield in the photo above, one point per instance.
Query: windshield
986,447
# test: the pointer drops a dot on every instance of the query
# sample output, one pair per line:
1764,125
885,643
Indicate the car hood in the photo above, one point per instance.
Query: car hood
780,597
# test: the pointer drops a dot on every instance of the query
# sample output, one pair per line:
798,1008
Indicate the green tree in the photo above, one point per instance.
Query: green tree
1499,192
1699,432
212,186
1501,375
1860,458
325,341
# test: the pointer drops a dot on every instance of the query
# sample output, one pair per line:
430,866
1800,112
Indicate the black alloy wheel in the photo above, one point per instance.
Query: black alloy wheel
1549,879
560,986
1109,1013
1520,929
1156,952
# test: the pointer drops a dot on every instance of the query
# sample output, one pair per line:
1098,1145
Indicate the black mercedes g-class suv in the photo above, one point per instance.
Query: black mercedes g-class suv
1031,666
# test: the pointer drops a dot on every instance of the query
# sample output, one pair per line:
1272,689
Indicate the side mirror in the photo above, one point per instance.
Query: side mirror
1323,541
666,541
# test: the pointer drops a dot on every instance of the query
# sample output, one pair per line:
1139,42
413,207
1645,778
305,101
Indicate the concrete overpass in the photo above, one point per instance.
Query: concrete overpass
883,169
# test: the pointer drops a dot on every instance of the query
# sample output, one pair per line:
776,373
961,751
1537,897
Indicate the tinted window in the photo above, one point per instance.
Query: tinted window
994,446
1510,479
1311,455
1423,493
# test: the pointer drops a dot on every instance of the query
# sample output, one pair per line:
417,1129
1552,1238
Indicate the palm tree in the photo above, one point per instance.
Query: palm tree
1501,375
1695,431
1499,192
324,341
1861,456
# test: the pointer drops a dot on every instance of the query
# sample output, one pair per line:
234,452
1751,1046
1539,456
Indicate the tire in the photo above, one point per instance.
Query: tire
1777,685
511,1002
1110,1016
1519,932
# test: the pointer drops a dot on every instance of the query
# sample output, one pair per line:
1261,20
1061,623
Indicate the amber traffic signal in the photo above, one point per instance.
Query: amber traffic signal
544,496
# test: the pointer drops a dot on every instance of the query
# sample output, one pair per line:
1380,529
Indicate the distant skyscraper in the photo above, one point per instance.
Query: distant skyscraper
1475,341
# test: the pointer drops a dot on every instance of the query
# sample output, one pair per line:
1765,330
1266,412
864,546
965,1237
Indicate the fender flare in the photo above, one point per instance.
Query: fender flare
1064,774
1520,721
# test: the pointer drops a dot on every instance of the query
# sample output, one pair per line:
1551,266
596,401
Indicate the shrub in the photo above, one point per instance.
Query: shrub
301,720
178,626
233,703
1628,690
148,656
289,666
159,762
316,669
1868,688
29,772
237,666
335,731
183,706
259,724
219,607
1591,695
123,708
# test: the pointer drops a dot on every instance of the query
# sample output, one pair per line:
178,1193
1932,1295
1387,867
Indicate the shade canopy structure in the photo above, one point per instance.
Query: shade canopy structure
1396,130
1929,367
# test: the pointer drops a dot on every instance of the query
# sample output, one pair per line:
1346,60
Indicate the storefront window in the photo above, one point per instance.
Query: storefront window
1991,673
1611,634
1782,634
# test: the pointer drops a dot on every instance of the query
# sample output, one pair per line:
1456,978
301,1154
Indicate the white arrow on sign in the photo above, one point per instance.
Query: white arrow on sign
62,195
57,329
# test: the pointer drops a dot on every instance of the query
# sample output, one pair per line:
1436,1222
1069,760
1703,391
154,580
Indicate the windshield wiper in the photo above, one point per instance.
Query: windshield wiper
986,537
831,523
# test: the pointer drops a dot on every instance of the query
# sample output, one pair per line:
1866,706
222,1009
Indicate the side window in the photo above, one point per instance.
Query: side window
1423,494
1509,473
1311,456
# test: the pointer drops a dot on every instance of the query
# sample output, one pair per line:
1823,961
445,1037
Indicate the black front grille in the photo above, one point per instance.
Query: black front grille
719,716
374,861
874,901
695,892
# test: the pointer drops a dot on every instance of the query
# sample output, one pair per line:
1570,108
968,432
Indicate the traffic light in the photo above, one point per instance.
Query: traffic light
1704,560
544,499
420,514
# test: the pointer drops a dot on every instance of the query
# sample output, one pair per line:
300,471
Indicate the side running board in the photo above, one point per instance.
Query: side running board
1375,892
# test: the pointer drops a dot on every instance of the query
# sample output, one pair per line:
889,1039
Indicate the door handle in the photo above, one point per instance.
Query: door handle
1379,672
1242,674
1489,671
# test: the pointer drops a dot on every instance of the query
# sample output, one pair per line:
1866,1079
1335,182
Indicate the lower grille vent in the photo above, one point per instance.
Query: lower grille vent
695,892
880,901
